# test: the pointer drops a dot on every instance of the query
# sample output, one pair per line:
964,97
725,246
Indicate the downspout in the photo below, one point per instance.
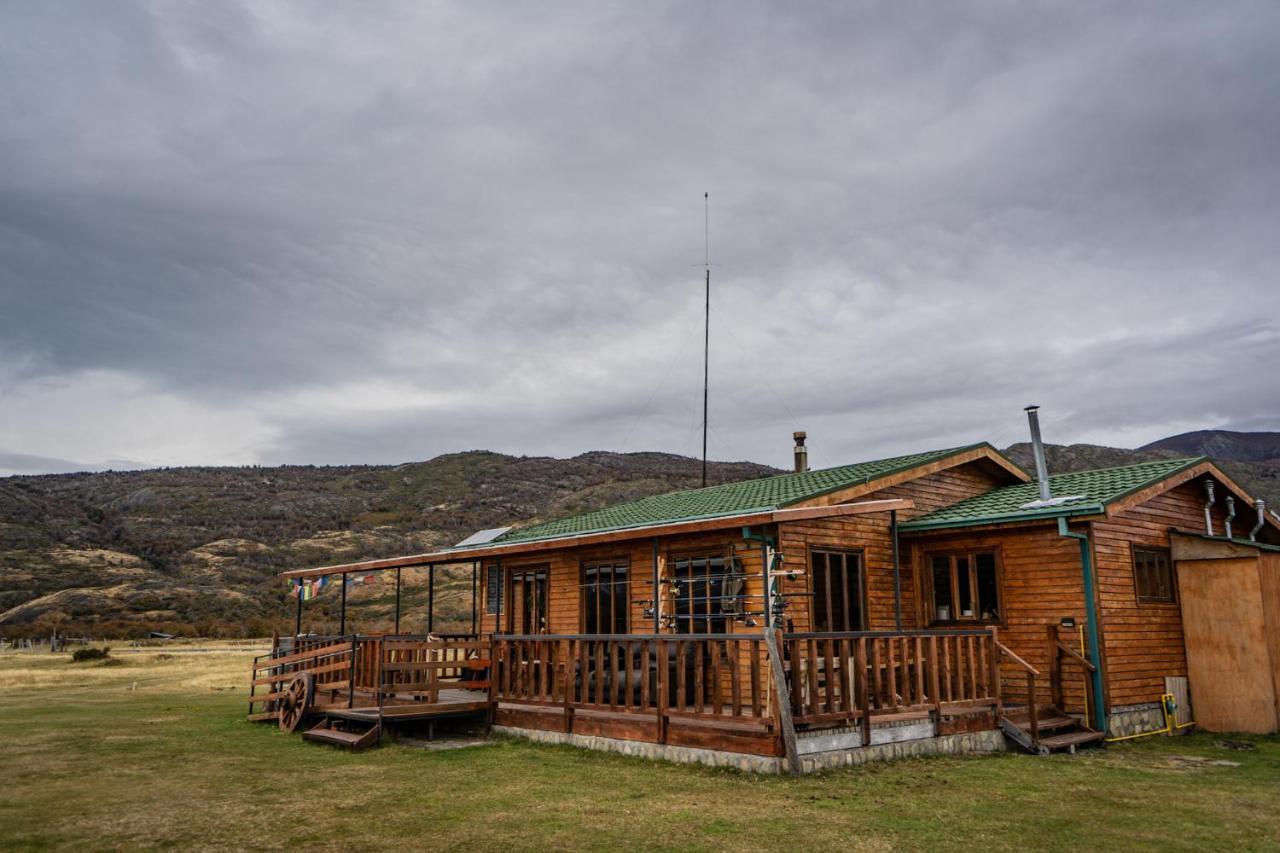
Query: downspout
1261,507
1091,621
1231,514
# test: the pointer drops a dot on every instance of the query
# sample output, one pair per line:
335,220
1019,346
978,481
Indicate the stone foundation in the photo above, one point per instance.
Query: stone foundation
1135,719
819,751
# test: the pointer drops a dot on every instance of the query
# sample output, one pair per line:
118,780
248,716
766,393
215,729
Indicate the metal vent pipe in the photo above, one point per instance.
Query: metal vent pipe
1037,447
1231,514
1208,507
1261,507
802,452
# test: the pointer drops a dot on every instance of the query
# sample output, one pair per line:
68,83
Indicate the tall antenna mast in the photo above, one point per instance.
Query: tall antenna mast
706,333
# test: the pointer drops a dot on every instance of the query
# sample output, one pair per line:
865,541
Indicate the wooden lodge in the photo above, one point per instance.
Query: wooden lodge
942,601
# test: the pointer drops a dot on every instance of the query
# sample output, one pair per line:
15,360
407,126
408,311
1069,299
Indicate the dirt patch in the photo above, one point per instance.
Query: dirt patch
1196,762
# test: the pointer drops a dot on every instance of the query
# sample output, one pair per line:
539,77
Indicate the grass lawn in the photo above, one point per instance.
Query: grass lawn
153,752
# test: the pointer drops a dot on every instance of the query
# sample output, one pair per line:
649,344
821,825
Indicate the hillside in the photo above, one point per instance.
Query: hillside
198,549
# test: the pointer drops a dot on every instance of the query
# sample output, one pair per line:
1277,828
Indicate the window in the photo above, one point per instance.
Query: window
708,593
837,591
965,587
1153,575
493,590
605,598
527,592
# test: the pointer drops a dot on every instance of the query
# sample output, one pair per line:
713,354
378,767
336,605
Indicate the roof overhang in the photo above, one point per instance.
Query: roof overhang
724,522
1045,514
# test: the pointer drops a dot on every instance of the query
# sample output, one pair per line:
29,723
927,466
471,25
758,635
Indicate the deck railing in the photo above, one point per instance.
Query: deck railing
329,660
705,681
416,669
843,678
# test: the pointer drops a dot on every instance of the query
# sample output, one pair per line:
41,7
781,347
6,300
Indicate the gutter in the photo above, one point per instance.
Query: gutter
1091,621
1003,518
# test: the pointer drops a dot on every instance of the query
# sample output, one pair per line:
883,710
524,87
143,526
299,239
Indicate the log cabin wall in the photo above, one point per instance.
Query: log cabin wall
565,583
871,535
867,534
1143,642
1040,583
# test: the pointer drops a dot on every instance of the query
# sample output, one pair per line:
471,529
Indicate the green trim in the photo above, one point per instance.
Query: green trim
1031,515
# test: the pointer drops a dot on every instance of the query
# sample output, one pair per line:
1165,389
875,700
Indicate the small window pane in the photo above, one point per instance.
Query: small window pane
942,589
965,595
988,590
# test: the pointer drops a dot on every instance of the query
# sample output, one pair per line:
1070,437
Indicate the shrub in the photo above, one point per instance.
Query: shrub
81,655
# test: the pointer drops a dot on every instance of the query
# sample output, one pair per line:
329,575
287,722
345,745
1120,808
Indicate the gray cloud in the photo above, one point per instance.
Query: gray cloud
236,233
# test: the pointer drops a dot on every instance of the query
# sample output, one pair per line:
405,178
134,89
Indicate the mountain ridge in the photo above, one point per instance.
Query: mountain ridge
198,549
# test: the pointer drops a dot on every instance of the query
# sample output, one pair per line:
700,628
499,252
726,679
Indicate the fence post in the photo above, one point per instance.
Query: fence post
782,700
663,664
993,660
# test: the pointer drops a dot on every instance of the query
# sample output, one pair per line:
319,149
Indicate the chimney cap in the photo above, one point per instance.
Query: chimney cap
1032,408
799,435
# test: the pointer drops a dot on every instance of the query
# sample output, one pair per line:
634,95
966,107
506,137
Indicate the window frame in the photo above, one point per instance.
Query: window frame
861,554
704,620
971,554
620,564
508,581
1147,601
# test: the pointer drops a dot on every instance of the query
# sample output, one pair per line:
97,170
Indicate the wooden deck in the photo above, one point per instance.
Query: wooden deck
449,703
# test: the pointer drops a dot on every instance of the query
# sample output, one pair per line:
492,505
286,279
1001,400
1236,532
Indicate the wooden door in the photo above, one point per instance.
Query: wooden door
1233,683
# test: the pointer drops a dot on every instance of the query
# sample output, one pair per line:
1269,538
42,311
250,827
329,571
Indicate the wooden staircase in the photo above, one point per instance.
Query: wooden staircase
335,732
1045,729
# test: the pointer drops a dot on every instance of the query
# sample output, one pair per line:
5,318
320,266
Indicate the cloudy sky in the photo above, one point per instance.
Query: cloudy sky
371,232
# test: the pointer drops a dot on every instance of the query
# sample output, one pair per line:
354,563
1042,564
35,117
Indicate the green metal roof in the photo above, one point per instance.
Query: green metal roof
1091,492
761,495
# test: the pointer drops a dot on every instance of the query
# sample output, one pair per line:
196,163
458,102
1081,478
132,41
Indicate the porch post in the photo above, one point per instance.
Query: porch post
431,598
297,618
342,611
397,601
897,573
657,591
475,593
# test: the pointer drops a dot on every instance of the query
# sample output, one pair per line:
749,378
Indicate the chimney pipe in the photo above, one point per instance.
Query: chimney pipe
1208,507
1261,506
1231,513
802,452
1037,446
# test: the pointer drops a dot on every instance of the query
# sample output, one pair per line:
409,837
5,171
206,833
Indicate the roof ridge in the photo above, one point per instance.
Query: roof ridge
773,491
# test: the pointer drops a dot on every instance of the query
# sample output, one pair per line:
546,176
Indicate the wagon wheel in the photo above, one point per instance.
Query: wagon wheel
295,700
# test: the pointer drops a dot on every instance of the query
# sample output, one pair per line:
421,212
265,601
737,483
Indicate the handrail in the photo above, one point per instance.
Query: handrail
1033,712
877,635
1083,661
1007,652
618,638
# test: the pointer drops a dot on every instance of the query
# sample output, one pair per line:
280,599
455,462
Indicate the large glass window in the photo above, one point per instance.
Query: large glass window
837,591
965,587
605,598
1153,576
708,593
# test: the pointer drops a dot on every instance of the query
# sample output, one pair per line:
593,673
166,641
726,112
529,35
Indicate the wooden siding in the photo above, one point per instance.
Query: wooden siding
1040,584
1143,643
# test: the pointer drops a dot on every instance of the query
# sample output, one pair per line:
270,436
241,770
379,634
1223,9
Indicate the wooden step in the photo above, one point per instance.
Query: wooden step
1049,724
1070,739
325,733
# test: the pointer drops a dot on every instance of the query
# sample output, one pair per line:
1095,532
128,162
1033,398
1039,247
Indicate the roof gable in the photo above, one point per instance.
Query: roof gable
1091,493
763,494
